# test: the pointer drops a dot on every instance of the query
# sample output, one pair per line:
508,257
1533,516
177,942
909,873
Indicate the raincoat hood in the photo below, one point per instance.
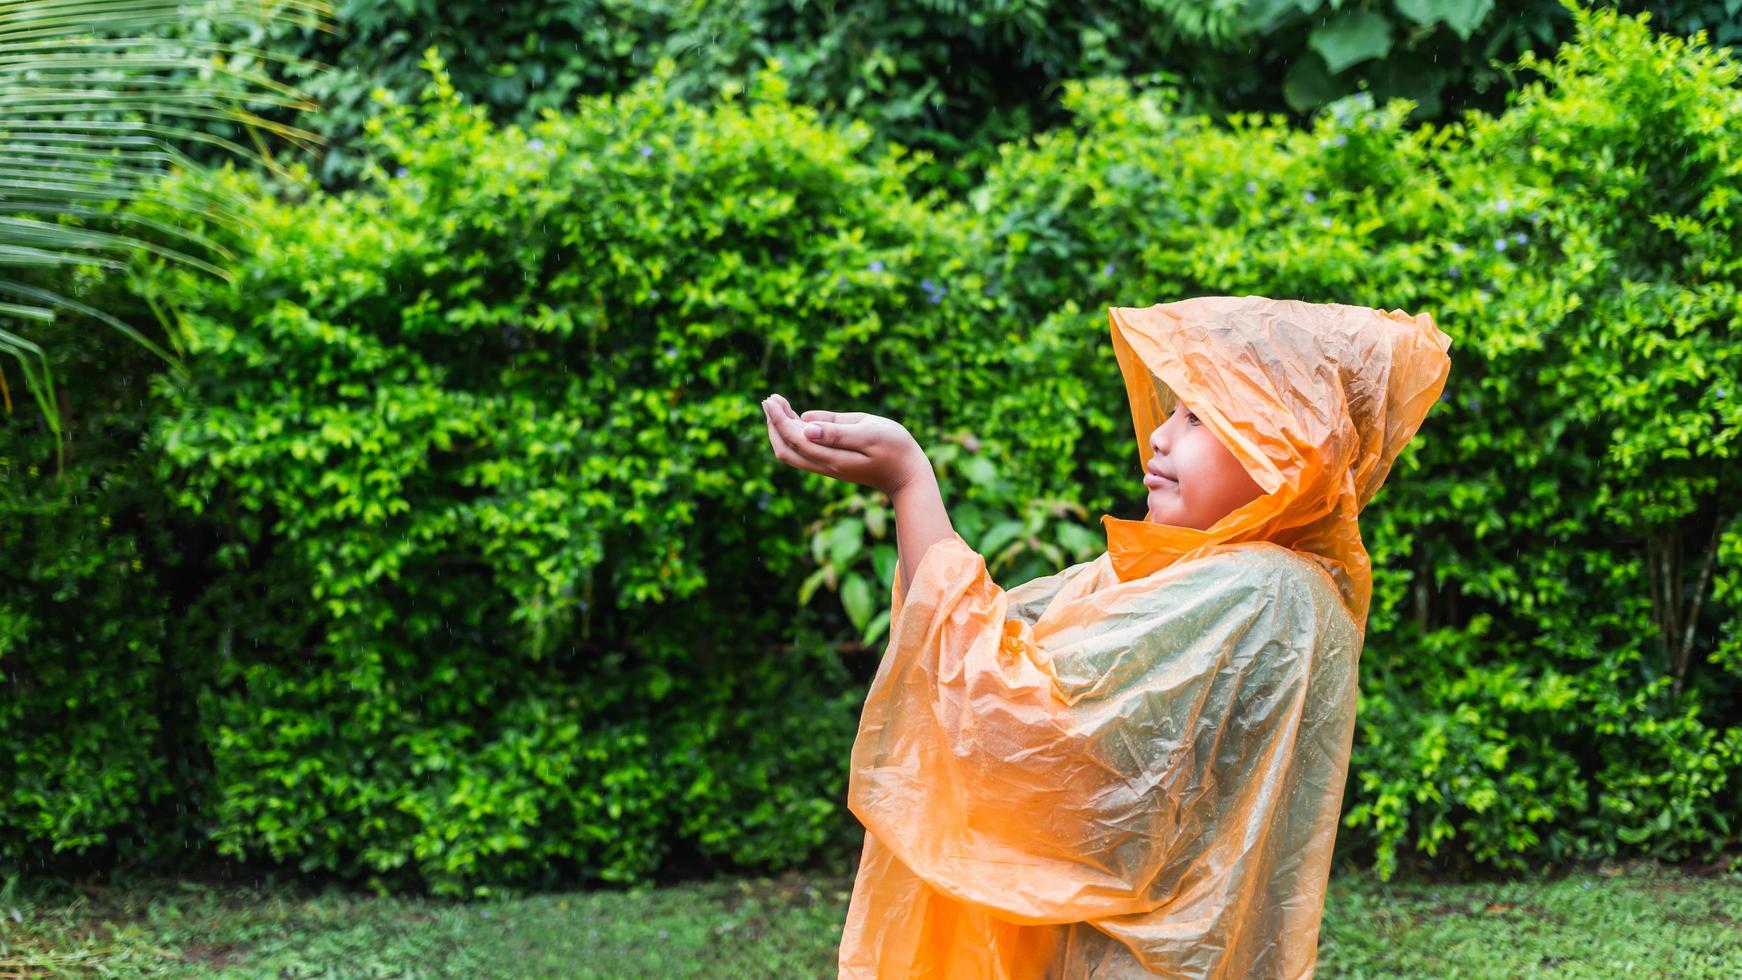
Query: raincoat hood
1314,399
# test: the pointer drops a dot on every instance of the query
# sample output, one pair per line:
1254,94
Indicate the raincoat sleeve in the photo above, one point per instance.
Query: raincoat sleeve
1082,777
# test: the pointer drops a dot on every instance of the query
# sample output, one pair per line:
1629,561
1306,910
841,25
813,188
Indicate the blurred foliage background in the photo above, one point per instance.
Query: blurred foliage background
452,557
952,78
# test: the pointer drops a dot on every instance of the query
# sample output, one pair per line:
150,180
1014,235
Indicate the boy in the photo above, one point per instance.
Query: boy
1134,767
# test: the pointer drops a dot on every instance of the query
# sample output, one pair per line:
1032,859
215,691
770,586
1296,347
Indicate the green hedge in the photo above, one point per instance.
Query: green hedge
462,561
504,561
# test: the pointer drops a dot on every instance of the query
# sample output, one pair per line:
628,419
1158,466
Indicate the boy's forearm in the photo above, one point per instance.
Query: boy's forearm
920,519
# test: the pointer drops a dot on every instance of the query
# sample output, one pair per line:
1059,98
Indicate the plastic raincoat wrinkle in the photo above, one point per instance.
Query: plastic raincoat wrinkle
1134,767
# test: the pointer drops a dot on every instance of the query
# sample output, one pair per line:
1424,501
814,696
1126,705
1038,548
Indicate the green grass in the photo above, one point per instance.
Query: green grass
1641,920
1644,920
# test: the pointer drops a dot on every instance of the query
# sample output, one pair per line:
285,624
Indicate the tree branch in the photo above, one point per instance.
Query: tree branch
1687,645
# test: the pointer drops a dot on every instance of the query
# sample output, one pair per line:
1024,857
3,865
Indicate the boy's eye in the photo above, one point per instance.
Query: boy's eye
1192,418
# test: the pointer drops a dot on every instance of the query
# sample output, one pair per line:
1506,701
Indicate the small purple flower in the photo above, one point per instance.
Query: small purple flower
876,265
762,500
1457,249
1325,221
1521,238
646,150
1499,244
1502,204
671,352
1453,272
1251,187
1107,269
989,291
484,912
927,285
1342,138
1310,197
400,173
662,933
535,144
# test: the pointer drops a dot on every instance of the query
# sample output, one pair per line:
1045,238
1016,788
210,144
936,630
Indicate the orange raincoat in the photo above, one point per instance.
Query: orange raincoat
1135,766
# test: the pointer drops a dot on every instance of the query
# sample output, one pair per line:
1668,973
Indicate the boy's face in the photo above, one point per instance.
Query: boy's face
1193,479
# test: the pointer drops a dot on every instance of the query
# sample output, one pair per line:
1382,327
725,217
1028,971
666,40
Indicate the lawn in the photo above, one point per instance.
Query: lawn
1638,920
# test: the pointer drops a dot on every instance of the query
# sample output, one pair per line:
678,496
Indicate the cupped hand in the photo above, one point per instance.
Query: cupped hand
858,447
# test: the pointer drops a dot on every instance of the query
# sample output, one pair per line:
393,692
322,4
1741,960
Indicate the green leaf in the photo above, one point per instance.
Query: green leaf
877,519
878,626
1465,16
856,597
1350,38
884,558
658,682
1462,16
809,587
1410,79
844,542
979,471
1268,15
1308,86
1000,535
1079,540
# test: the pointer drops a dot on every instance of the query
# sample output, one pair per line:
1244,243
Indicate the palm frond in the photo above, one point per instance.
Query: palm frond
94,107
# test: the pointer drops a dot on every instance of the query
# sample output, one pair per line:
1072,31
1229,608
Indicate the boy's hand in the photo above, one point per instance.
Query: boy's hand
869,450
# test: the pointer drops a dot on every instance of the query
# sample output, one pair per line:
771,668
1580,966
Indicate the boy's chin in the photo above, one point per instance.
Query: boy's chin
1152,513
1163,515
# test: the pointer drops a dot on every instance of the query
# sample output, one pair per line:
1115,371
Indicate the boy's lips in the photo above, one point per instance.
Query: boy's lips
1155,480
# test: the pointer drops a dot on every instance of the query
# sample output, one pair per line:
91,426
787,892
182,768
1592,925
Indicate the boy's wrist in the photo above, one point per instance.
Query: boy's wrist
918,471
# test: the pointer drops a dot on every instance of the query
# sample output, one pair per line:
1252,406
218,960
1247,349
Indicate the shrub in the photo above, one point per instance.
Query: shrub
490,428
91,721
